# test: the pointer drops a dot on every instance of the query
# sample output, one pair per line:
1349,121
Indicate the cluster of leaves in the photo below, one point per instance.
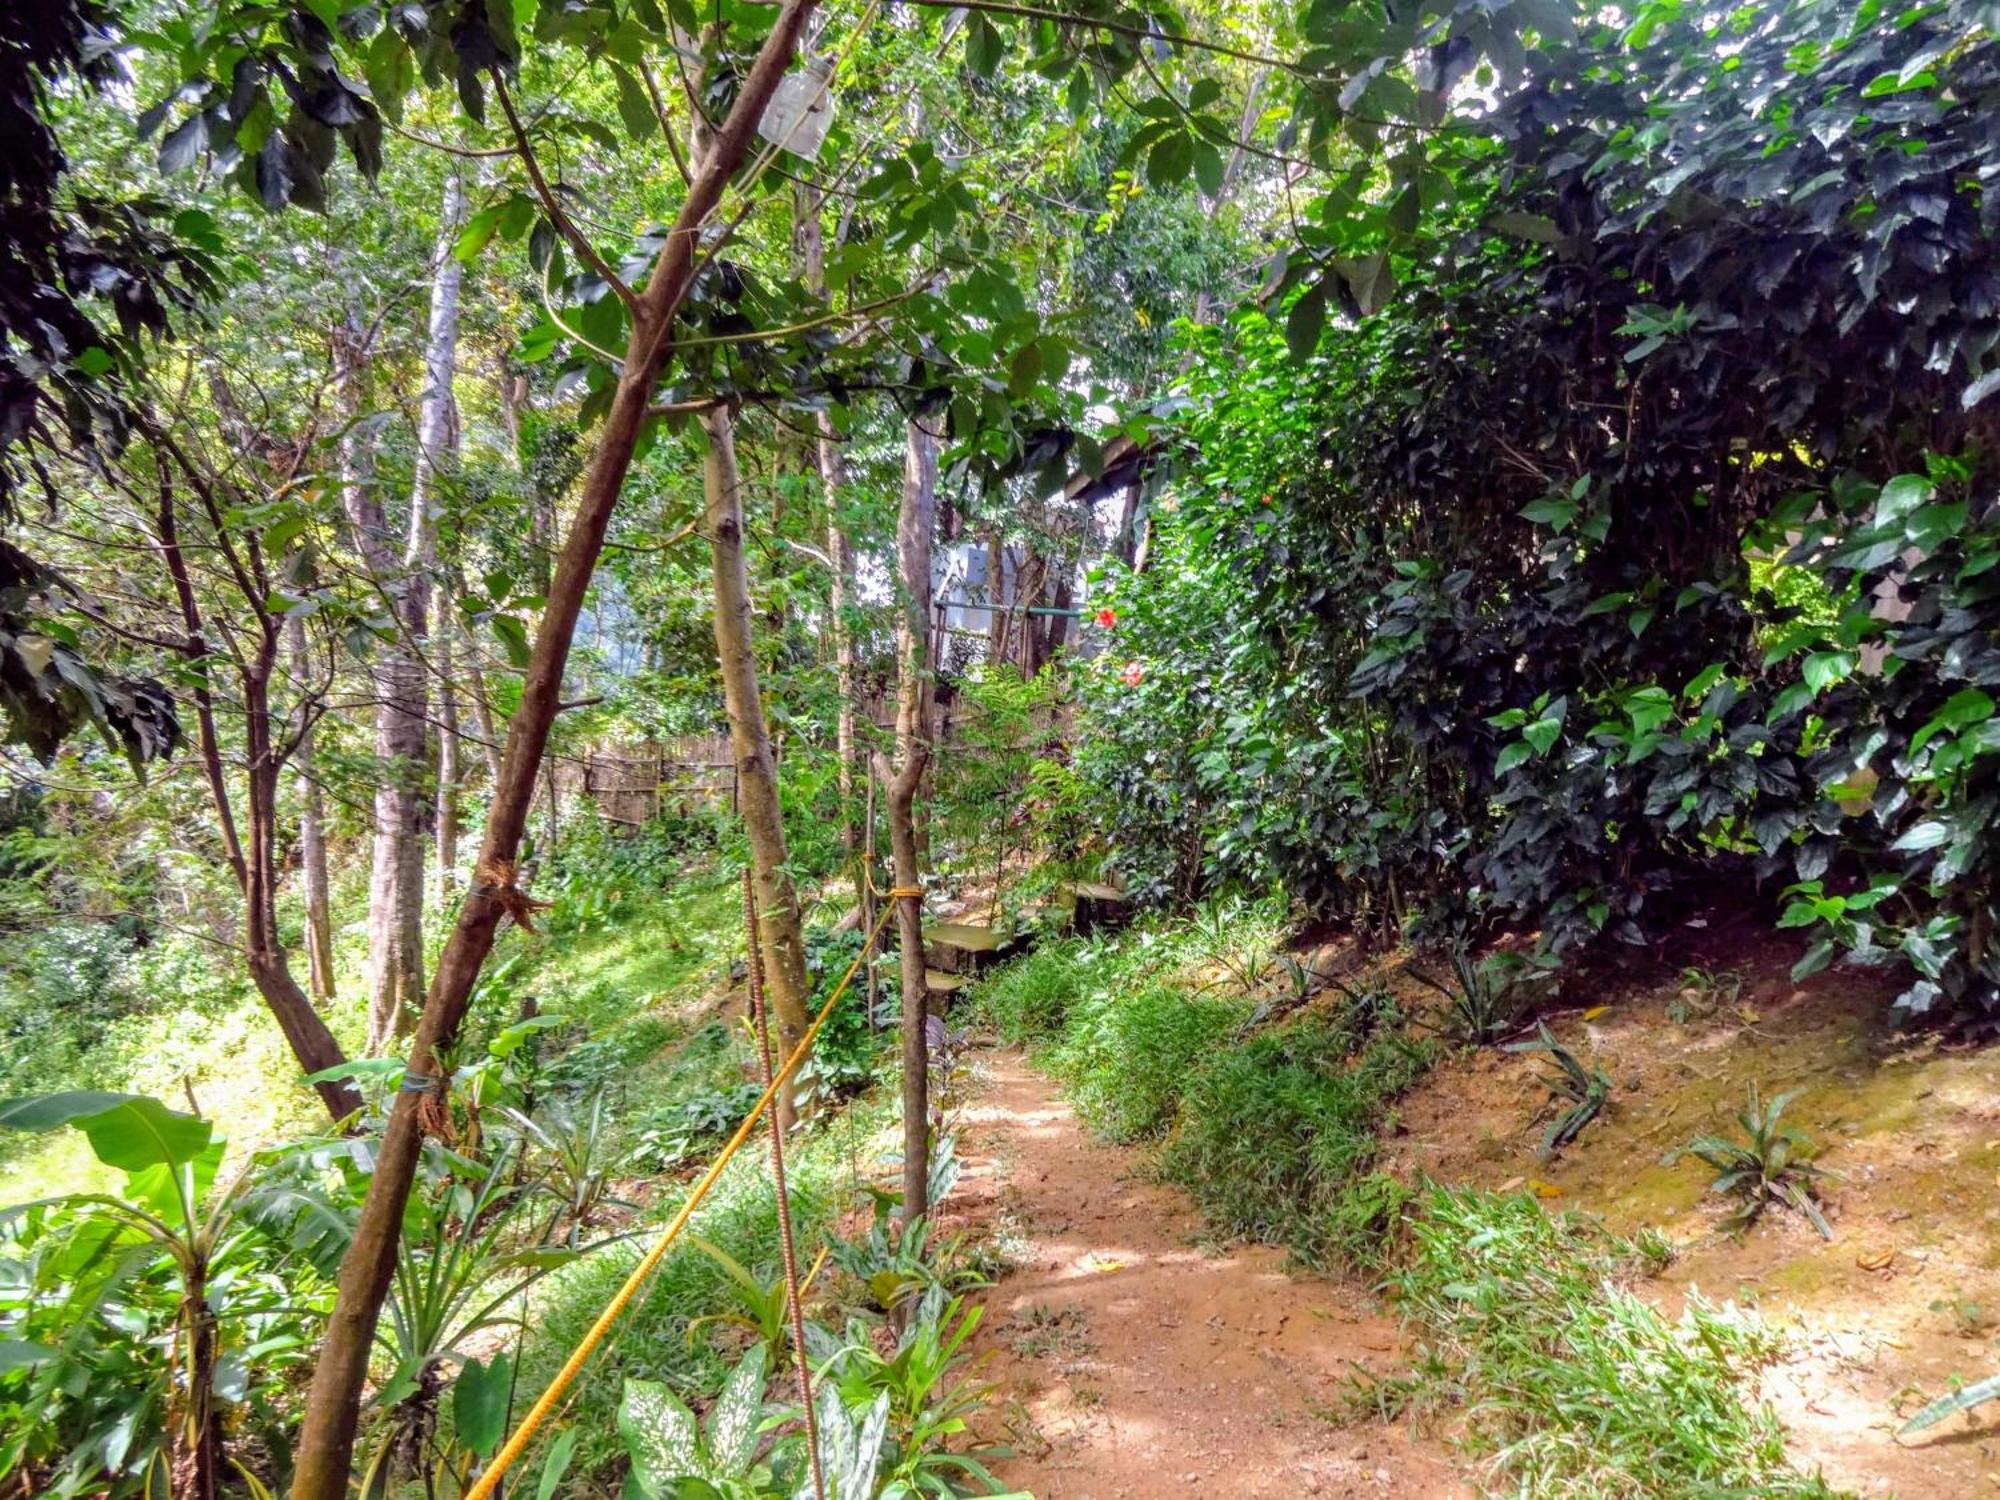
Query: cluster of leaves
1771,1165
162,1326
1645,540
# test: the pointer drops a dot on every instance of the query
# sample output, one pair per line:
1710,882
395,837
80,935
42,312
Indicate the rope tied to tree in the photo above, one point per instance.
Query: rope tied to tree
498,881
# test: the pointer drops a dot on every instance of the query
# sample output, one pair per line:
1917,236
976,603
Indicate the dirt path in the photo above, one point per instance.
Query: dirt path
1136,1360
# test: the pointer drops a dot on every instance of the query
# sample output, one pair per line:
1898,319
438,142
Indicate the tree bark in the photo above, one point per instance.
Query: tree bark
1126,537
833,480
996,598
254,863
781,940
446,818
312,833
402,739
326,1441
914,521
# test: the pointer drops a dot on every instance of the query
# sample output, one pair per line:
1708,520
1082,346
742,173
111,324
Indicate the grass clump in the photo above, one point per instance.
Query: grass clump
1030,999
1126,1059
1275,1131
1575,1386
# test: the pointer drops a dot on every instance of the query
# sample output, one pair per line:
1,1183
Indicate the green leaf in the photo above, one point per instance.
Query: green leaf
1817,957
1962,1399
1306,321
556,1465
1511,756
635,108
1824,668
19,1354
1543,733
1526,226
984,46
732,1425
1208,168
1702,681
1170,160
479,1403
477,234
1369,279
514,636
660,1435
1902,495
1555,511
127,1131
1922,836
1024,371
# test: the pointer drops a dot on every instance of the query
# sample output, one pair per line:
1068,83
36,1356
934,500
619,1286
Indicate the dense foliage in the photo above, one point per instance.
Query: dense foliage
1643,542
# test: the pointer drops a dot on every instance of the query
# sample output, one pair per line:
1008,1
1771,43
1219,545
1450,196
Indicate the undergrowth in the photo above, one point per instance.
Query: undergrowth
1276,1132
1273,1131
1570,1383
1573,1385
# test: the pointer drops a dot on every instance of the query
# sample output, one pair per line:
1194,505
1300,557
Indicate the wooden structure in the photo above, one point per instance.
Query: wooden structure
633,784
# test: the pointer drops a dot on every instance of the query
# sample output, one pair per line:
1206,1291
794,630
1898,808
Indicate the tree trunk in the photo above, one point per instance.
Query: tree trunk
194,1463
914,521
996,598
254,865
402,739
482,714
312,833
1126,536
782,942
446,820
326,1440
1056,632
833,480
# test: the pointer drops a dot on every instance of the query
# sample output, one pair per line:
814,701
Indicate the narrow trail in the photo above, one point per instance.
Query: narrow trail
1131,1360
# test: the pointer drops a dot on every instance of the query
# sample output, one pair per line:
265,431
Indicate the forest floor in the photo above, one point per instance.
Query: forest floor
1137,1357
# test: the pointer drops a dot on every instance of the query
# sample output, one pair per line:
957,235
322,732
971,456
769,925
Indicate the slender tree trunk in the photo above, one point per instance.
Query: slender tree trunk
446,820
833,481
482,715
253,863
326,1440
312,832
914,521
996,598
1056,633
402,739
195,1448
782,942
1126,536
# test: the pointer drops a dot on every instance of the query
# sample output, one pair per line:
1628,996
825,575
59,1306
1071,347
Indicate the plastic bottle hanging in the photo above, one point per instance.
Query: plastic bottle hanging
800,110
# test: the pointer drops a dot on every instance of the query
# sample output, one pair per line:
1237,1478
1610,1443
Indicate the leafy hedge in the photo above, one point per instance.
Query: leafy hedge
1647,539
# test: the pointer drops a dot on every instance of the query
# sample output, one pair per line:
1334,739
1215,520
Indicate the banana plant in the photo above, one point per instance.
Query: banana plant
159,1295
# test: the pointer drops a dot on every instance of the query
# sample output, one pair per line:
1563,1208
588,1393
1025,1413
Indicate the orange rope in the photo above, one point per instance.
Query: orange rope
524,1434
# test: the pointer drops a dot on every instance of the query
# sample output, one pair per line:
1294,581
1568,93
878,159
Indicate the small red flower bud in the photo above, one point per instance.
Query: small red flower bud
1107,618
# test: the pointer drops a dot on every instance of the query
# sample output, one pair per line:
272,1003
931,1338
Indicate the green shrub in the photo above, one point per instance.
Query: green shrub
1030,1000
1273,1132
1574,1385
1127,1058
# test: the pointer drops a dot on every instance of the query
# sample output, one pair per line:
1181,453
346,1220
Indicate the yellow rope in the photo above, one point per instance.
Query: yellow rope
524,1434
